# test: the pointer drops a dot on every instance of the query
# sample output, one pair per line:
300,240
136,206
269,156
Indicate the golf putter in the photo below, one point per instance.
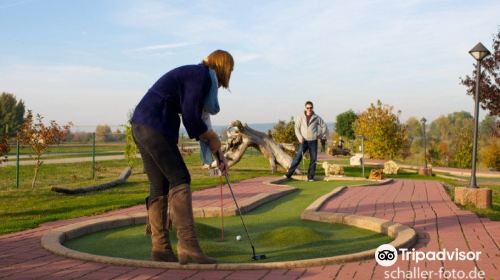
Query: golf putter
254,256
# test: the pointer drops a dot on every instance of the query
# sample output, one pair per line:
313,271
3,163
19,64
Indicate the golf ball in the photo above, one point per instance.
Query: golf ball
238,237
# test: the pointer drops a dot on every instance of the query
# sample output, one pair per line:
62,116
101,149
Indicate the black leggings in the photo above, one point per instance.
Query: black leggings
162,160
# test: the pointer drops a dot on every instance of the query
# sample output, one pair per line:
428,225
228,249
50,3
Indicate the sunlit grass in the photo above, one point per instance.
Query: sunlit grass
23,208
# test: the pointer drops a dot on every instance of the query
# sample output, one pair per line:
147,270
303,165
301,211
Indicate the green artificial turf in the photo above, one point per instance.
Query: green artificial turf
276,230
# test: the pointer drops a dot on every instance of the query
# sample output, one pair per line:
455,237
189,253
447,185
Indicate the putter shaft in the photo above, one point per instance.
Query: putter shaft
239,211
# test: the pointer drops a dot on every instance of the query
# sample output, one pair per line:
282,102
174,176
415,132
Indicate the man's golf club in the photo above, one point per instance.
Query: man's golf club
254,256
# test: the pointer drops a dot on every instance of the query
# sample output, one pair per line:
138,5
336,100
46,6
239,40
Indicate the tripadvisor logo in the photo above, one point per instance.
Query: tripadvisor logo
386,255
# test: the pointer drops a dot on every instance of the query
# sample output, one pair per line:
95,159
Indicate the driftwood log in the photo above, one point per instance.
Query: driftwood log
241,137
122,179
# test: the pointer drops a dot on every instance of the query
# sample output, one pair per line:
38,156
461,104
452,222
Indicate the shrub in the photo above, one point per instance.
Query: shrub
130,146
284,132
490,155
39,136
384,134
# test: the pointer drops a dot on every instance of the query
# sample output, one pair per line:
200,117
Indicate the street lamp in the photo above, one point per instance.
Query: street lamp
479,52
362,153
423,120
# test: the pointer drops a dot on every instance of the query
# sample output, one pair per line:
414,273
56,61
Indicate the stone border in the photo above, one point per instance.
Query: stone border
246,205
404,237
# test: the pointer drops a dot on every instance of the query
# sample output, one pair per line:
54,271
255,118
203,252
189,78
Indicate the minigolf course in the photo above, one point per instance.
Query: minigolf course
276,228
422,206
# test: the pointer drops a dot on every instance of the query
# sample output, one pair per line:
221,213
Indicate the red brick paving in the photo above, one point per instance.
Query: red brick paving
423,205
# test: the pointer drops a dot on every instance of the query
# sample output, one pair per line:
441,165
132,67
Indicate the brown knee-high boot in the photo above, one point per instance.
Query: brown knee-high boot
147,228
160,241
182,216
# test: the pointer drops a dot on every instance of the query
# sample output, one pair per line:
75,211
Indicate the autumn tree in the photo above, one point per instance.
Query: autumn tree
489,149
382,129
4,147
11,113
442,137
489,127
405,150
461,144
489,85
284,132
38,137
344,122
490,154
80,137
103,133
415,135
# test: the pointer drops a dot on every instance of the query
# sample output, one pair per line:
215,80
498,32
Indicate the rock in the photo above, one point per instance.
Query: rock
356,160
425,171
390,167
332,169
376,174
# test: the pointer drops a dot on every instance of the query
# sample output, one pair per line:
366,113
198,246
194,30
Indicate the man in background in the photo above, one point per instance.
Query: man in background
309,128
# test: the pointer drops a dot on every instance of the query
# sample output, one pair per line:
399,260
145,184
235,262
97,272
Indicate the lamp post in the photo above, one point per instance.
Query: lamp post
362,154
423,120
479,52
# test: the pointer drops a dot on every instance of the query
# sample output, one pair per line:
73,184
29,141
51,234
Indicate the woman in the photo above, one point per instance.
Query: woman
155,125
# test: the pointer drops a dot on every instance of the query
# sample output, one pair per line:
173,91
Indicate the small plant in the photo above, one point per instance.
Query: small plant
99,169
130,146
38,137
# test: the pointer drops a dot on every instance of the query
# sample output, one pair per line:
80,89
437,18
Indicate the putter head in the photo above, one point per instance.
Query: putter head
258,257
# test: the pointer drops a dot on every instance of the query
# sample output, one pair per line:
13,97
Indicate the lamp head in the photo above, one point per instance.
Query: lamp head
479,52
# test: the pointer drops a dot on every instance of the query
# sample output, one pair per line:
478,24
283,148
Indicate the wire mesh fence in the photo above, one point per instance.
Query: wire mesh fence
83,144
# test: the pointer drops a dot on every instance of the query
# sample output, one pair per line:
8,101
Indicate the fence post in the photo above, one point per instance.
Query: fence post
93,155
17,164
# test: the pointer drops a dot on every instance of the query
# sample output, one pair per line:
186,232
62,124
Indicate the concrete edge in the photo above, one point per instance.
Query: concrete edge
247,204
404,237
53,239
318,203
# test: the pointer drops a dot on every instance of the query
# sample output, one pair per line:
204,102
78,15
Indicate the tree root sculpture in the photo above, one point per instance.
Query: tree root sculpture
241,137
121,180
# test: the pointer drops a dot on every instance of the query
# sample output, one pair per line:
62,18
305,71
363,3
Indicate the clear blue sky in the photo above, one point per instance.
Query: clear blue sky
91,61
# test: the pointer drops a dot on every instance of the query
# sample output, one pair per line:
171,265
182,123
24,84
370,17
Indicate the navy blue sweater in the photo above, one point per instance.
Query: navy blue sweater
182,90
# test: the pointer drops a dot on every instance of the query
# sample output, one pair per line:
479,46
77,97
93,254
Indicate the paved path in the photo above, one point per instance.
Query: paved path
321,157
450,170
423,205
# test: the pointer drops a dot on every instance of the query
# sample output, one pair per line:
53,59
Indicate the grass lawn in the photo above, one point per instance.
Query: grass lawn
492,213
275,228
25,208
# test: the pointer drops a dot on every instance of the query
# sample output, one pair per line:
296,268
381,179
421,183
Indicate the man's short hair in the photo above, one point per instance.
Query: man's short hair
309,103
